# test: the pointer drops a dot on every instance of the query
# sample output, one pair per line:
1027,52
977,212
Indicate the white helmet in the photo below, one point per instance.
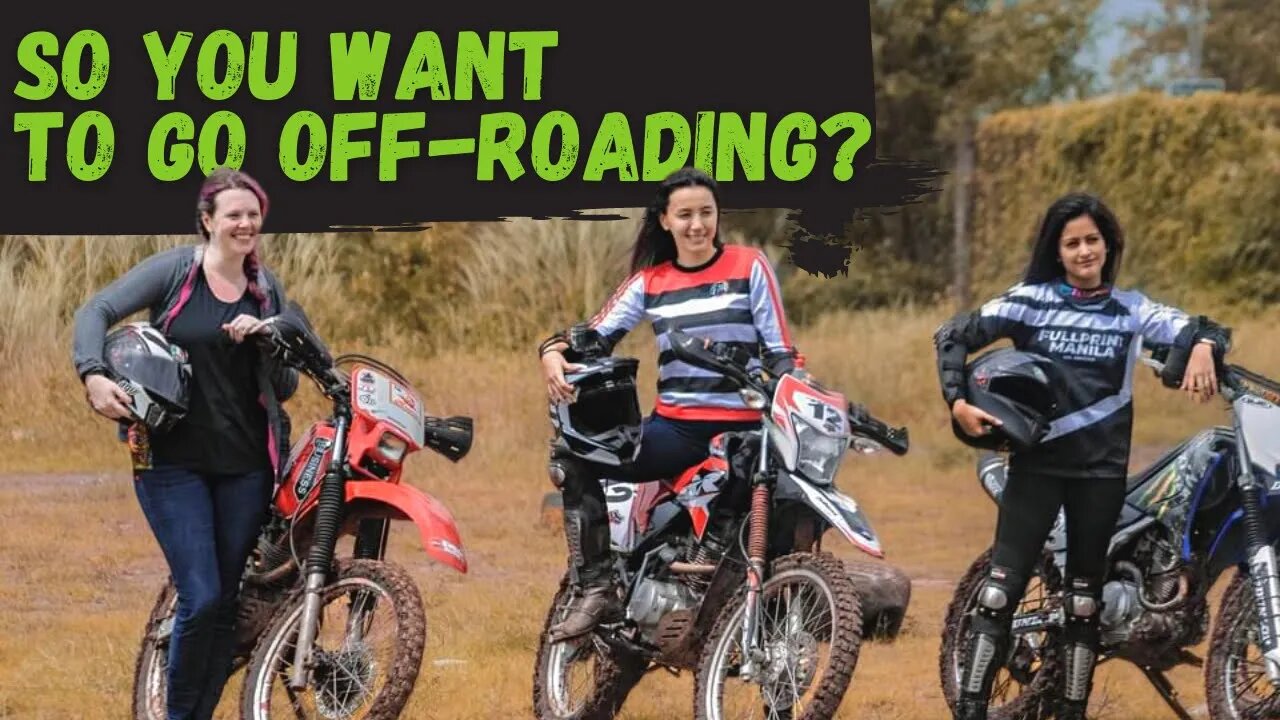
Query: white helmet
154,372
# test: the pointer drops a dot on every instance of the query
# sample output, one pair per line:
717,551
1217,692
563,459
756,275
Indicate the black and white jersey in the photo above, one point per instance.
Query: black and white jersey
1094,344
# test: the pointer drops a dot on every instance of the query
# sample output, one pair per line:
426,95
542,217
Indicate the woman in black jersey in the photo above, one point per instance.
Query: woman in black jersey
204,485
1091,333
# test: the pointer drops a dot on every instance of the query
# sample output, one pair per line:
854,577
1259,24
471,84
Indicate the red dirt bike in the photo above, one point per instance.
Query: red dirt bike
721,569
321,636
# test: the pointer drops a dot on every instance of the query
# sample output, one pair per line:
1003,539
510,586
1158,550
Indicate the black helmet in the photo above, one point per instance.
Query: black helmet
1013,386
152,370
603,424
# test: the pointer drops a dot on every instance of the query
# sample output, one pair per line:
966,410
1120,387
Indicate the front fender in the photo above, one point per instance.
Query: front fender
838,509
402,502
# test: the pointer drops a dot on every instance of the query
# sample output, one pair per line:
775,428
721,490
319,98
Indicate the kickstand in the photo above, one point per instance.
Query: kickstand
1162,685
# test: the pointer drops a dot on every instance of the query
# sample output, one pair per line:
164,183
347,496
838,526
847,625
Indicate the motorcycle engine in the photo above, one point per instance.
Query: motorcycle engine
1120,609
654,598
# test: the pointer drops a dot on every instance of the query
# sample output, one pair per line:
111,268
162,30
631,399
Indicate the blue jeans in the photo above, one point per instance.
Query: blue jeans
206,526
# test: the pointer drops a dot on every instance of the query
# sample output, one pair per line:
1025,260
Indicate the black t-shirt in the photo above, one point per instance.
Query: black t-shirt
225,429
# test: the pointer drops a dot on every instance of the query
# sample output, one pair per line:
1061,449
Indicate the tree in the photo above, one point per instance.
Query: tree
1239,45
942,64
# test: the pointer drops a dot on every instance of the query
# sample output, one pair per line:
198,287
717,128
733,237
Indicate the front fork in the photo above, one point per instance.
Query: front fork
1262,561
1266,579
320,558
757,547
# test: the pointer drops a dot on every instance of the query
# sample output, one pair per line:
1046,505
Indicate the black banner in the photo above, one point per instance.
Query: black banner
399,116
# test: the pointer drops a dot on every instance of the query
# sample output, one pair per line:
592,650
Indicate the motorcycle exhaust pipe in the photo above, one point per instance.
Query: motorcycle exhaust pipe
1178,600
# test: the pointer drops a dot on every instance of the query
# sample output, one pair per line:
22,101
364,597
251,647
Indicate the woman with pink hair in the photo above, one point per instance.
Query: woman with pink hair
205,483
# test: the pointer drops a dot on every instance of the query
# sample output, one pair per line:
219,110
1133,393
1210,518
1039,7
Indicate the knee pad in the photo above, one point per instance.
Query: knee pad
989,630
567,474
997,598
1082,601
562,467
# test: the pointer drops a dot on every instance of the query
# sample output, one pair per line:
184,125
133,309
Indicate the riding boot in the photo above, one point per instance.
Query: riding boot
591,570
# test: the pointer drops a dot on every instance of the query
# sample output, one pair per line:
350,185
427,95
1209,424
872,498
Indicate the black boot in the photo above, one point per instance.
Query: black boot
591,567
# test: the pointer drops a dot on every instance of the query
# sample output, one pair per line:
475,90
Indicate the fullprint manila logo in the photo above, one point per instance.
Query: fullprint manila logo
1081,344
719,288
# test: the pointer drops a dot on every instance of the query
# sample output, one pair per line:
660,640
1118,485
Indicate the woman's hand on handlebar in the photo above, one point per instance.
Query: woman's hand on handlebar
1200,381
554,366
243,326
975,421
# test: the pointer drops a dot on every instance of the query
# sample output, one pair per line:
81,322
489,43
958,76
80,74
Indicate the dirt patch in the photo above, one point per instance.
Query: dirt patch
57,482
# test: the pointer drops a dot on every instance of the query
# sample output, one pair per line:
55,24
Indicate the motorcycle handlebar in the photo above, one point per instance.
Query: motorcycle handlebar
1233,378
861,422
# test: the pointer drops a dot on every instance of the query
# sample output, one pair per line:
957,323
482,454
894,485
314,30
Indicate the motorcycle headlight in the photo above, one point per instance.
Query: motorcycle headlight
392,447
753,398
820,454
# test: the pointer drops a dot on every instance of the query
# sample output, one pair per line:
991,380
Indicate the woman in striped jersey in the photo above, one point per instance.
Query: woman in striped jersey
1067,310
683,277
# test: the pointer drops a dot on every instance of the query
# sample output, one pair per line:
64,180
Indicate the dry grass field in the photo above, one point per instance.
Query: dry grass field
79,568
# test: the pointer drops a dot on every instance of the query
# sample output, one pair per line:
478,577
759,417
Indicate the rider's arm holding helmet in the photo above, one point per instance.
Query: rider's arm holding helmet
562,352
144,285
968,332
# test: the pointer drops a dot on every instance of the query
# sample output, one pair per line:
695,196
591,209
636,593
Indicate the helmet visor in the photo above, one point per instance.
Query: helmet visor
605,406
162,377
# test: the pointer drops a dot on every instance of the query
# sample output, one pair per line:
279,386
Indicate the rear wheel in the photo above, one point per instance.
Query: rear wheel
582,678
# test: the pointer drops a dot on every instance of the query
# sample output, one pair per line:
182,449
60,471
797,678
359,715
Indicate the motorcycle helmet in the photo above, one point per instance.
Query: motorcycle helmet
154,372
603,424
1013,386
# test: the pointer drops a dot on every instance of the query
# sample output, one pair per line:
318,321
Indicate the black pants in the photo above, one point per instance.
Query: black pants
1028,507
1030,504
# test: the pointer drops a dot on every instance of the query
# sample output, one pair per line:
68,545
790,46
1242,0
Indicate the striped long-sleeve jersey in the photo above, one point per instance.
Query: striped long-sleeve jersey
1094,343
732,299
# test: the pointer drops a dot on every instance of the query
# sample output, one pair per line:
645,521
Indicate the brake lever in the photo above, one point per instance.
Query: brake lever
897,440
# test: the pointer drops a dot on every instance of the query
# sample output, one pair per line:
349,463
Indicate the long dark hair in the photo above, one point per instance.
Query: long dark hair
1046,265
654,245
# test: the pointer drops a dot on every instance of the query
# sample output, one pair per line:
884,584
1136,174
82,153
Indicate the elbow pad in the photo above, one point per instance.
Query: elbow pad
585,343
952,351
1177,355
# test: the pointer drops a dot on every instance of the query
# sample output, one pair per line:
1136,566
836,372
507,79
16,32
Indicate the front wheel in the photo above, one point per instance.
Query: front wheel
581,678
1236,681
809,633
1025,682
367,652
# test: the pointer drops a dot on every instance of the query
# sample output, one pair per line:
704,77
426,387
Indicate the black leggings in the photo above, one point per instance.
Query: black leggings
1028,507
